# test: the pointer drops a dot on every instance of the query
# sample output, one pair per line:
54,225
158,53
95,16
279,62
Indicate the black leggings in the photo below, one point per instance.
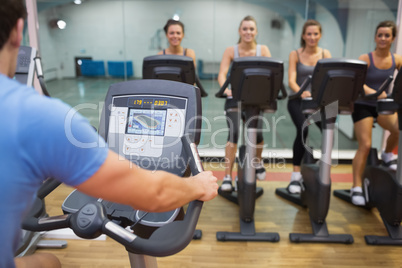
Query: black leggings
233,121
298,118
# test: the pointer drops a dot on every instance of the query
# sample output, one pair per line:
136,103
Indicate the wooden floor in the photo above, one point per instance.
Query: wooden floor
273,214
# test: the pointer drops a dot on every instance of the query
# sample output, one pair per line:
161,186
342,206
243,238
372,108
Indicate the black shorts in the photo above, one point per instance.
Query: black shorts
362,111
233,121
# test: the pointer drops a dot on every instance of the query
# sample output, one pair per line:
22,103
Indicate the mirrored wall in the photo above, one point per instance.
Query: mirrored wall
124,32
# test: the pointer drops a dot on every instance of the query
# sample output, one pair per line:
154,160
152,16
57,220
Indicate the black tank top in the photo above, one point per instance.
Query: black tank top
302,71
375,77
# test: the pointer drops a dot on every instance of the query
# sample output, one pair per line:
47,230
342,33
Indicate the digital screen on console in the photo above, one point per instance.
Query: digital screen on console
146,122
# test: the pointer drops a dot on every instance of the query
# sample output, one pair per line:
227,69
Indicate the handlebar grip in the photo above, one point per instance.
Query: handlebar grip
284,93
47,187
303,87
382,88
190,148
199,85
39,74
220,92
170,238
46,224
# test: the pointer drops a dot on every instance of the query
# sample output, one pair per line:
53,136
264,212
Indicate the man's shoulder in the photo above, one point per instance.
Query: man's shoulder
7,83
21,101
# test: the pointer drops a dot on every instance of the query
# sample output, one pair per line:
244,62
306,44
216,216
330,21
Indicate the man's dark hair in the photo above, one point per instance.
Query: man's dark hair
10,12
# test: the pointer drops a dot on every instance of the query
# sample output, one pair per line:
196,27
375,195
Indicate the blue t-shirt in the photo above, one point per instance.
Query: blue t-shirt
40,138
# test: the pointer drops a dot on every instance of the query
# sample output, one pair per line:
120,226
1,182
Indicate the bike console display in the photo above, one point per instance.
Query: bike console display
146,120
142,125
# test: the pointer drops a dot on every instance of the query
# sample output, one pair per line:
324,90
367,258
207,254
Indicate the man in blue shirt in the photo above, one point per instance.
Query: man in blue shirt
34,146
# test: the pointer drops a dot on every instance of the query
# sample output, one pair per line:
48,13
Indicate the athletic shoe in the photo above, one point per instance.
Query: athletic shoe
294,187
296,183
227,184
260,171
356,194
389,160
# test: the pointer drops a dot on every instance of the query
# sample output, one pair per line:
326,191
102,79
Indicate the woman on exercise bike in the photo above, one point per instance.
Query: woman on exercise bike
245,47
381,64
302,62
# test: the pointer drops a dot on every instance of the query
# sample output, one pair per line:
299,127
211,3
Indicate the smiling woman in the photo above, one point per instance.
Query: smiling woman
302,62
245,47
174,31
381,64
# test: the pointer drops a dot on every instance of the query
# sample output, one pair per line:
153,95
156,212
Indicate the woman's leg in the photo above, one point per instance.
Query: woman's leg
299,150
390,123
233,122
230,157
363,133
260,171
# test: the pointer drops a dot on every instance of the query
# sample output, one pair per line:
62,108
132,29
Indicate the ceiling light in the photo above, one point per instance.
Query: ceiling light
61,24
57,23
176,17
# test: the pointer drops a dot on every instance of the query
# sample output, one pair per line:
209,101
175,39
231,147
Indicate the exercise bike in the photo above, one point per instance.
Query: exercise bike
335,84
165,68
170,144
382,186
372,158
256,83
172,67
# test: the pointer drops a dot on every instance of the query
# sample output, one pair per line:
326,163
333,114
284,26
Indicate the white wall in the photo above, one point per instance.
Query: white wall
331,33
91,31
364,16
116,30
50,49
